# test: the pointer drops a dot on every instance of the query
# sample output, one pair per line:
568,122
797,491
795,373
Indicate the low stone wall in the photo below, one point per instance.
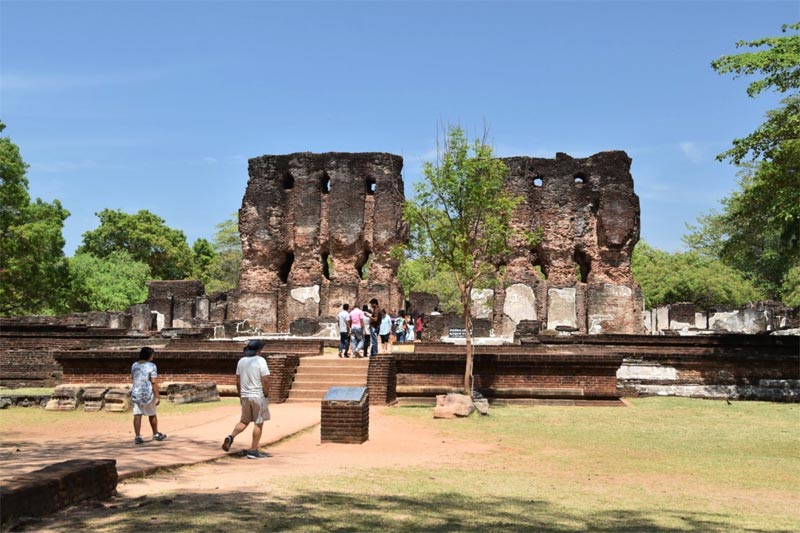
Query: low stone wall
57,486
688,319
216,362
510,372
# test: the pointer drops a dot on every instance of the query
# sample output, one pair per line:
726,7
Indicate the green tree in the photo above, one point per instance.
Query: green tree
222,273
33,269
463,211
758,230
689,277
111,283
146,237
421,274
777,62
202,257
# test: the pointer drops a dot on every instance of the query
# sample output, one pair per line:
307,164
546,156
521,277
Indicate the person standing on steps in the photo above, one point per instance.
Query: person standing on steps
356,331
144,395
375,326
252,384
343,319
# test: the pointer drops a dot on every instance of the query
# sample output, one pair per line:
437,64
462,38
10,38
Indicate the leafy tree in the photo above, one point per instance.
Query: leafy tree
111,283
222,273
146,237
757,231
424,275
791,287
33,269
689,277
203,255
463,212
778,61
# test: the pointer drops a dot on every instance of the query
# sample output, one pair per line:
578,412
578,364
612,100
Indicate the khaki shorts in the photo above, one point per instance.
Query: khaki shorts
255,410
147,409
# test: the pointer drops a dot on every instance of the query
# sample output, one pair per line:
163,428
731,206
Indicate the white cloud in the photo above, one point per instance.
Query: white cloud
692,151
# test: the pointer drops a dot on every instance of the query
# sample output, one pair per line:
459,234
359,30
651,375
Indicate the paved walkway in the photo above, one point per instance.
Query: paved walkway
193,439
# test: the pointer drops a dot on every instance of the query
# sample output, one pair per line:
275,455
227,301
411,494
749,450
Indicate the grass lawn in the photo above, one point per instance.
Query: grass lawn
665,465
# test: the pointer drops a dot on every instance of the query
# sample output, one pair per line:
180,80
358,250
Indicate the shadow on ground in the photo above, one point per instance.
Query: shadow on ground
335,511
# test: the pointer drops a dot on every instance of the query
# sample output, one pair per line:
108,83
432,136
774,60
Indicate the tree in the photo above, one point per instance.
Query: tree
33,269
463,211
203,255
421,274
146,237
689,277
757,231
778,61
111,283
222,273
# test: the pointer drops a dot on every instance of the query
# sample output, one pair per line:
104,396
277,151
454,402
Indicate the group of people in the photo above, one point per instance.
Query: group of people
252,384
370,330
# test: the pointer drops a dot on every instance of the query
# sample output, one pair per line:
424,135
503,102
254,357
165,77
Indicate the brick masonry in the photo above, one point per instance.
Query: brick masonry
57,486
345,422
382,379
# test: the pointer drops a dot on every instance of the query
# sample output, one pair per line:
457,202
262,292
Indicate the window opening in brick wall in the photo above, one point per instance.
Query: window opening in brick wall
286,267
327,265
580,178
288,181
325,184
538,181
583,265
539,265
371,185
363,264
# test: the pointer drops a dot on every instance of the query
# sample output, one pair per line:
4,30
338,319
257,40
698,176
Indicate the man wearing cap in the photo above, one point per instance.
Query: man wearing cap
252,383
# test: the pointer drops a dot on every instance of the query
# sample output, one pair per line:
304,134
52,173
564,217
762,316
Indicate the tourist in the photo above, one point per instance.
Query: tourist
145,396
252,384
400,326
375,325
356,331
410,334
385,330
344,330
418,325
366,322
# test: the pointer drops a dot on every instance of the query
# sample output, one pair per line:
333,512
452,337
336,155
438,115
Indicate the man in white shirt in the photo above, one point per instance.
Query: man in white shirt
344,330
252,384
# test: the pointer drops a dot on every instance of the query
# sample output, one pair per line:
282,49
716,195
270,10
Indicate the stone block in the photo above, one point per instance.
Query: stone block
118,400
260,310
141,319
482,303
65,398
661,319
422,302
453,405
520,303
303,302
94,398
561,308
192,392
612,309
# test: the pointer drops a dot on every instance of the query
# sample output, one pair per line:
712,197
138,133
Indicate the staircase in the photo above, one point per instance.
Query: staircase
316,375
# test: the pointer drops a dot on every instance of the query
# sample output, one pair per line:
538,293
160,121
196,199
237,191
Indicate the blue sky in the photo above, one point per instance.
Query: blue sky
158,105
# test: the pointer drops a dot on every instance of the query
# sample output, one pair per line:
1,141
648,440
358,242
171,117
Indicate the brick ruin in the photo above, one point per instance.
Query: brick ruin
579,276
313,226
317,231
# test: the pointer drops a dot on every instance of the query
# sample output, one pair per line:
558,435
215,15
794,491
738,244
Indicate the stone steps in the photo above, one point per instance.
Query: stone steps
316,375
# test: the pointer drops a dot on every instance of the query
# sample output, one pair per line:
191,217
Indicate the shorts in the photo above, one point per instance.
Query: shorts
255,410
385,338
147,409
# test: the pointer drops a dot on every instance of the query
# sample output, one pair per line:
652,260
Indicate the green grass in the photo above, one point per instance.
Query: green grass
663,465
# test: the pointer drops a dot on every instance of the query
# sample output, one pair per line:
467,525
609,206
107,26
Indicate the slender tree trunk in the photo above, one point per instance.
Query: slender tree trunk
465,307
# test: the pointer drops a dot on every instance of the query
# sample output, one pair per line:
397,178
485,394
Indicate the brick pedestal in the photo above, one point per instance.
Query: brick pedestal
345,415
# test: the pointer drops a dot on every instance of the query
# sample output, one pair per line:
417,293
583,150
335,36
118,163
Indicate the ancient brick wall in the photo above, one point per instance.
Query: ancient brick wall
579,275
382,379
317,231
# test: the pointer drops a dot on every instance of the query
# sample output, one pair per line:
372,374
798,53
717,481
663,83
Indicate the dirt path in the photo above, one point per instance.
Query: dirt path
394,442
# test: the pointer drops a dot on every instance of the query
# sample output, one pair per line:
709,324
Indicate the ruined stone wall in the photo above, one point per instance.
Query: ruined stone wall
578,276
317,231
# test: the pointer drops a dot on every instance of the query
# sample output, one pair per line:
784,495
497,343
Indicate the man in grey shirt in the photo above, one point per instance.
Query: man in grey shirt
252,383
344,330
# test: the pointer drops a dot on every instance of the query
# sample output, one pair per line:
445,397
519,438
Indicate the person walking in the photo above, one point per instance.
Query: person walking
400,326
252,384
356,330
144,395
418,326
344,330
